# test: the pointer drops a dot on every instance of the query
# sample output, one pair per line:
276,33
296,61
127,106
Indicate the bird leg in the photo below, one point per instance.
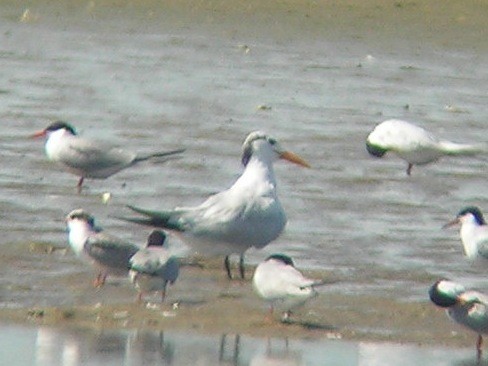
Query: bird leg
479,343
409,169
241,266
227,267
80,183
163,292
100,280
139,297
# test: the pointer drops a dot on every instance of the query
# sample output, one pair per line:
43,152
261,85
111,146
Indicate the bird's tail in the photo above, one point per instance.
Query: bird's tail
453,148
158,155
319,283
161,219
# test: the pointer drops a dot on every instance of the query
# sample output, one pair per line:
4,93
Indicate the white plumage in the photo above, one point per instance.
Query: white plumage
248,214
153,267
474,232
414,144
88,158
277,281
108,254
468,308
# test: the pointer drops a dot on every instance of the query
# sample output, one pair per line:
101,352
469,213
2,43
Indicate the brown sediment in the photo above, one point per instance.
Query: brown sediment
204,300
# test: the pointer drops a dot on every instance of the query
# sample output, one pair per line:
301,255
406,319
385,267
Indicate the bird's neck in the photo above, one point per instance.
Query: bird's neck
78,235
469,237
258,172
55,140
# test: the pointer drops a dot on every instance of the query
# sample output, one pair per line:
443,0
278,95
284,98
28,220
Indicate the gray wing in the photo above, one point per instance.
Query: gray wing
86,154
110,251
483,249
157,263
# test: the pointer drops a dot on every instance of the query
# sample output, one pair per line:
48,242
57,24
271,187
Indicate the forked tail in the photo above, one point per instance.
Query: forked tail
161,219
158,155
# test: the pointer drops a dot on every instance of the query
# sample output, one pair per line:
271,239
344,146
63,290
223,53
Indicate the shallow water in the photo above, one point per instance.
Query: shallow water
47,346
149,85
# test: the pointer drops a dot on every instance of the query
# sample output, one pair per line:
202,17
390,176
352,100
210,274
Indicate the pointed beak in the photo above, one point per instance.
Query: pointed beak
294,158
451,223
38,134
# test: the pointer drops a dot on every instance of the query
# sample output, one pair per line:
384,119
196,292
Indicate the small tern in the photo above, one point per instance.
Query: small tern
248,214
414,144
153,267
88,158
108,254
468,308
277,281
474,232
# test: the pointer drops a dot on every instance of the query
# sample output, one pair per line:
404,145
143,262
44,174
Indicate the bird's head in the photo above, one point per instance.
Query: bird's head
445,293
156,238
258,143
377,140
80,216
467,214
281,258
53,127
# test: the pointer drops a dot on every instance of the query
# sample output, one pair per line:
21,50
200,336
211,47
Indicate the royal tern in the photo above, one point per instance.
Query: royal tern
277,281
414,144
108,254
248,214
468,308
88,158
474,232
153,267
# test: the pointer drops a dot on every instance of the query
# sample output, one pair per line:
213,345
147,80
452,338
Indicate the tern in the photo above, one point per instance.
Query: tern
108,254
248,214
277,281
474,232
414,144
88,158
468,308
153,267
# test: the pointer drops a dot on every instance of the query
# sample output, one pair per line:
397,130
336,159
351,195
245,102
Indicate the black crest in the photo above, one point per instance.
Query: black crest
475,211
282,258
58,125
156,239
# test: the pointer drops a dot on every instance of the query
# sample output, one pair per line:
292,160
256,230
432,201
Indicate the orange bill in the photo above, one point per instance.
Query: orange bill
294,158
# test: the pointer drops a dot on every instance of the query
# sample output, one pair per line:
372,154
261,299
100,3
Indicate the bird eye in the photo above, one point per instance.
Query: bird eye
272,141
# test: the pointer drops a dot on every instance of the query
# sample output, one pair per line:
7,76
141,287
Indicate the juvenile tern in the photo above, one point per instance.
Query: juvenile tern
108,254
248,214
153,267
474,232
414,144
468,308
88,158
277,281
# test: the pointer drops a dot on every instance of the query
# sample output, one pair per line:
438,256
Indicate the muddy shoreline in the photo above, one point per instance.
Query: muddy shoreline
203,300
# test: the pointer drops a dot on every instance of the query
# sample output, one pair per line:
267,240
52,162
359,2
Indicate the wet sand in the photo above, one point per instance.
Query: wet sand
204,300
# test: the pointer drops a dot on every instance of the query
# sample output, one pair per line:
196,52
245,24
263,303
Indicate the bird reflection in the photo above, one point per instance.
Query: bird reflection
148,347
279,355
233,357
55,347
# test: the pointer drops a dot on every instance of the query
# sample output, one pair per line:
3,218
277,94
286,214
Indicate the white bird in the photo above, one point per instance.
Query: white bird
153,267
108,254
414,144
277,281
88,158
468,308
248,214
474,232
